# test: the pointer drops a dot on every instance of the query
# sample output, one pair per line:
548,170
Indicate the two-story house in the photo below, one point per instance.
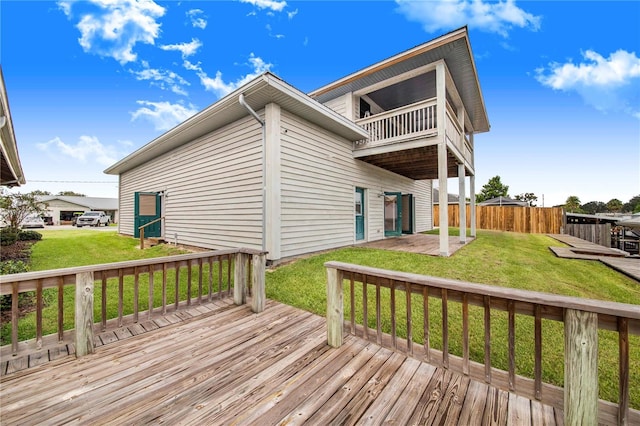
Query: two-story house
272,168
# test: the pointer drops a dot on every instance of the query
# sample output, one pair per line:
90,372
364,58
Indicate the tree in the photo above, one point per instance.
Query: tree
15,207
614,205
593,207
572,204
71,194
633,206
40,192
529,197
492,189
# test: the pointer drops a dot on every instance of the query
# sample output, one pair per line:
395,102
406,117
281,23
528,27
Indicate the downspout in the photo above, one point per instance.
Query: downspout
264,170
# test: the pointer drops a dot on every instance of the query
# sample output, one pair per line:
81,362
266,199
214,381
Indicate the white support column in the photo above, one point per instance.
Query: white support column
272,184
472,197
443,174
462,204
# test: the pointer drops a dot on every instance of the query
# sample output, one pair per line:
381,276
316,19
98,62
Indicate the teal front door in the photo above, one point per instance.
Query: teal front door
147,209
360,214
392,214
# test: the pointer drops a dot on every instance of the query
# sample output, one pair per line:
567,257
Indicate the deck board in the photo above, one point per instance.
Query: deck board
227,365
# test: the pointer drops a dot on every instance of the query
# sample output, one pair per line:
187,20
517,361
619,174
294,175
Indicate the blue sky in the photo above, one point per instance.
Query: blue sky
90,82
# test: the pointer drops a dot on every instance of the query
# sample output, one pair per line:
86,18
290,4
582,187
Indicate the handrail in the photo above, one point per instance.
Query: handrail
141,229
112,279
413,120
582,319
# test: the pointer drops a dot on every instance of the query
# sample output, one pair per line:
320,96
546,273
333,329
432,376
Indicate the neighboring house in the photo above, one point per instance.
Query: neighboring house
61,208
11,173
451,198
504,201
270,167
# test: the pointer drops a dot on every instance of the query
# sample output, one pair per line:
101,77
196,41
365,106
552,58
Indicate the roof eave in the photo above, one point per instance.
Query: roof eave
181,134
9,144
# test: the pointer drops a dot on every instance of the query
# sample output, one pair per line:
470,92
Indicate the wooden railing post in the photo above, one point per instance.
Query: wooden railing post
581,368
258,262
84,314
240,279
335,307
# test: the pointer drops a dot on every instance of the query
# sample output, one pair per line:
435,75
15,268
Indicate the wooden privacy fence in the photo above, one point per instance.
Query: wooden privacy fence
530,220
491,334
596,233
126,292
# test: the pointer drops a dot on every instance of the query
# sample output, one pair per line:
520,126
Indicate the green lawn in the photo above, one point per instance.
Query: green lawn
498,258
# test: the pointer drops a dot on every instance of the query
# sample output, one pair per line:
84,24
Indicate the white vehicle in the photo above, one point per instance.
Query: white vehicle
93,218
32,221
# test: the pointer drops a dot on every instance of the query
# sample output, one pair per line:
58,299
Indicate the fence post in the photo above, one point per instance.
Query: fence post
84,314
581,368
257,282
240,279
335,307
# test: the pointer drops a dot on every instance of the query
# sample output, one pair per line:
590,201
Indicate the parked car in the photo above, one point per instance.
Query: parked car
93,218
32,221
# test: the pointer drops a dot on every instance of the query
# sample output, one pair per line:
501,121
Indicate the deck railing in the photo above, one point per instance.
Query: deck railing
407,122
125,293
381,305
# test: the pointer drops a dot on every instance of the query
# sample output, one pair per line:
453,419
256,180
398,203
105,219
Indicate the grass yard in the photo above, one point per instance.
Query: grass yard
498,258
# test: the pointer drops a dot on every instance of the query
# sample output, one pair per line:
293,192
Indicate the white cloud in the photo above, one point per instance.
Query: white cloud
275,6
197,20
290,15
269,29
187,49
114,27
163,115
607,84
87,148
495,17
220,87
164,79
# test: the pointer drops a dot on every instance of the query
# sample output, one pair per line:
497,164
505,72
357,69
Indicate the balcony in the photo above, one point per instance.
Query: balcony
404,140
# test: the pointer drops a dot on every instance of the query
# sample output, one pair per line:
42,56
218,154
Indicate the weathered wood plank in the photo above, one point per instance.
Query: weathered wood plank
495,412
519,411
319,396
581,368
391,392
84,314
474,404
409,398
367,396
230,366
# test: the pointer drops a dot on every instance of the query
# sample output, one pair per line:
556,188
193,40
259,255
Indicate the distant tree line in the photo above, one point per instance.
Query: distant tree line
495,188
573,205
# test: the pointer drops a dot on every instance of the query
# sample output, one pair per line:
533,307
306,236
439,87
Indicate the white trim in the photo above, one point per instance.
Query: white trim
273,181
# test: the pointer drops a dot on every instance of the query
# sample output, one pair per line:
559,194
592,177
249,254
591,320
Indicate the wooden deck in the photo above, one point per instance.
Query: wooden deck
417,243
586,250
228,365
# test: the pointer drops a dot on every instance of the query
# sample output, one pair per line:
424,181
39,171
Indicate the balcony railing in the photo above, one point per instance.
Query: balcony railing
500,333
125,293
400,124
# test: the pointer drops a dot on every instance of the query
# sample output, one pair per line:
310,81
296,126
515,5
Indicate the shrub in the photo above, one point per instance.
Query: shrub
14,267
8,236
29,236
